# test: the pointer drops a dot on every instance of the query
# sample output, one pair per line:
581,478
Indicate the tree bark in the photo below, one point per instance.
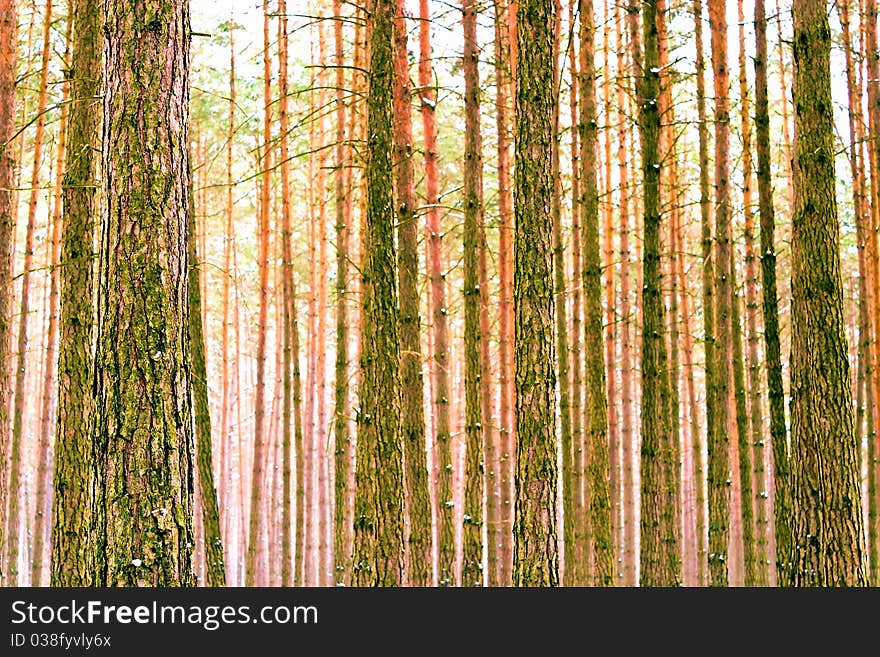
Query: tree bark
445,542
660,561
412,385
535,553
378,517
770,310
42,522
828,530
8,166
215,567
21,369
722,428
144,438
71,511
341,434
591,278
474,337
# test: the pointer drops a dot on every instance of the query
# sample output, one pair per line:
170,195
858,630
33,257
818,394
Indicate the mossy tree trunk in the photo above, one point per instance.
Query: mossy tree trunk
660,561
770,310
535,551
722,426
828,530
472,536
378,516
143,439
412,383
215,567
73,448
342,441
591,278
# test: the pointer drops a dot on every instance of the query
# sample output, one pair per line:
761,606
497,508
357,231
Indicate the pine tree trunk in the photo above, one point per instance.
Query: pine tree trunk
708,292
19,399
412,386
722,427
572,499
378,524
772,357
535,558
474,338
660,564
226,478
828,528
257,522
610,320
215,566
786,123
144,439
71,551
667,153
575,559
591,279
630,577
44,485
441,362
694,493
341,435
8,76
871,53
506,459
320,437
756,417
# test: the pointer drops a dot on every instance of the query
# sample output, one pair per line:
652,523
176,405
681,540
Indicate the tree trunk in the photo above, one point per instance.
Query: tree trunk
572,499
341,434
215,566
18,403
412,416
660,562
610,321
828,528
44,485
73,449
443,489
756,418
507,433
772,357
144,438
257,523
536,559
694,492
8,76
722,428
591,279
786,99
320,437
575,559
226,479
630,577
474,338
378,524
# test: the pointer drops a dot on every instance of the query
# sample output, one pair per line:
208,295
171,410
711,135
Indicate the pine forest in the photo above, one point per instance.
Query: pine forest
439,293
